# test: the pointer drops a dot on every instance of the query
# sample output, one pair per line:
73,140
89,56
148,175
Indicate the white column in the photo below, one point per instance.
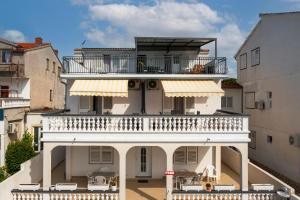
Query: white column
169,179
47,166
68,162
2,143
244,167
218,161
122,174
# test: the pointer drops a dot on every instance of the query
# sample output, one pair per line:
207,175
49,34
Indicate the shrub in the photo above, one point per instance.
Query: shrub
18,152
3,174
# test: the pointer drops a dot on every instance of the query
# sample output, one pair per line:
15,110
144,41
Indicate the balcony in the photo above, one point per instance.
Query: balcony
218,127
144,65
14,102
11,70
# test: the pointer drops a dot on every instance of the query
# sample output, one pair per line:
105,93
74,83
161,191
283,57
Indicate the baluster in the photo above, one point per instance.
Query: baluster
102,196
107,196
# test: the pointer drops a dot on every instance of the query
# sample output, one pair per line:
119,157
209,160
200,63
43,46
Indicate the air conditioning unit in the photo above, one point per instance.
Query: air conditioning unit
12,128
133,84
295,140
260,105
152,85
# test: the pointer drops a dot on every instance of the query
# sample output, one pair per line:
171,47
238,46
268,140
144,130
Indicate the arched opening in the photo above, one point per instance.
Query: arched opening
83,164
145,168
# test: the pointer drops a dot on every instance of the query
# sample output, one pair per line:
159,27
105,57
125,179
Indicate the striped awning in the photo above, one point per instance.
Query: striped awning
191,88
111,88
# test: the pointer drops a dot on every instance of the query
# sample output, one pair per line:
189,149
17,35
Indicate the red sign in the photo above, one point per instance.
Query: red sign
169,173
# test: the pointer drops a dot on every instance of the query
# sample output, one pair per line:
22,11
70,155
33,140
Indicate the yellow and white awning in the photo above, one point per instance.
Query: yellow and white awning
191,88
111,88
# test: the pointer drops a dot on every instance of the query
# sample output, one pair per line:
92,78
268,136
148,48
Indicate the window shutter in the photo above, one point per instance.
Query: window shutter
95,156
168,103
180,155
190,103
192,154
107,103
229,102
107,155
223,102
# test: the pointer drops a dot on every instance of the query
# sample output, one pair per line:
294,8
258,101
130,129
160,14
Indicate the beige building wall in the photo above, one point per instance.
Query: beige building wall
277,36
44,78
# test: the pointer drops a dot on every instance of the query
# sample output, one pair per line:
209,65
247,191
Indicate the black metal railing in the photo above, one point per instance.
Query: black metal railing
144,64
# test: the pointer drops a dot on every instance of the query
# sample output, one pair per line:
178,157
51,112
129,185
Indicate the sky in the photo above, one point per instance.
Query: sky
113,23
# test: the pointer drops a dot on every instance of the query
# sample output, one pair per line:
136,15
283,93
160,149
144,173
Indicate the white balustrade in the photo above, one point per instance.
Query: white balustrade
14,102
144,124
223,196
64,196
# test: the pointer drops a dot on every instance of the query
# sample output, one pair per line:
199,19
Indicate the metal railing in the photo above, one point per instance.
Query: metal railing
144,64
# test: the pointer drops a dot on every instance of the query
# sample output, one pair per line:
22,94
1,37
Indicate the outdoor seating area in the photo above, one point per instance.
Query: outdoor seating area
204,181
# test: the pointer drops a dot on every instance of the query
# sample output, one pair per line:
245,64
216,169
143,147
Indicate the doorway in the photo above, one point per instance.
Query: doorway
178,105
144,159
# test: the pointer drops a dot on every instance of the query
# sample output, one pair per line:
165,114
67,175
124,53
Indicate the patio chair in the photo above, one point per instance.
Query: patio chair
101,180
210,173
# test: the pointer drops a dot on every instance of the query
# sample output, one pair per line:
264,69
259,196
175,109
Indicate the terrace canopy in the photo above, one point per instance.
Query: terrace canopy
191,88
170,43
112,88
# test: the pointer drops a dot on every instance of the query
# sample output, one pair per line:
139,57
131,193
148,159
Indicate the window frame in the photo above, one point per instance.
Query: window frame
225,99
104,103
246,100
3,61
53,67
246,61
101,156
252,143
51,95
253,51
47,64
186,155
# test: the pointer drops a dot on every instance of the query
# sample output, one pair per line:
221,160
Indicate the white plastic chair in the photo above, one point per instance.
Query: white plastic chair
210,172
101,180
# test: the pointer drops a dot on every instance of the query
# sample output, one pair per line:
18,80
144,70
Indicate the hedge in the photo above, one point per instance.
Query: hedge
18,152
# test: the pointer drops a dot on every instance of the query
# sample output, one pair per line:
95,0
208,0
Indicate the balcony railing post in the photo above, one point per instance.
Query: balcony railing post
146,124
245,124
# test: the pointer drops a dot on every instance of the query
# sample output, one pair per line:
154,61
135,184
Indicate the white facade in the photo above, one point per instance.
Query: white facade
274,81
145,134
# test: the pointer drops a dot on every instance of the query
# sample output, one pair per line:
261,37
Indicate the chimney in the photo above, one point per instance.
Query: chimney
38,40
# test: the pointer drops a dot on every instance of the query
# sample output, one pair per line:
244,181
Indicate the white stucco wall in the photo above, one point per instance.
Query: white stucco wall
279,73
236,95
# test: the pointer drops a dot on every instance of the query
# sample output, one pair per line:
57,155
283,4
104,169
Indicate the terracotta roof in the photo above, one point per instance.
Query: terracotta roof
231,85
29,45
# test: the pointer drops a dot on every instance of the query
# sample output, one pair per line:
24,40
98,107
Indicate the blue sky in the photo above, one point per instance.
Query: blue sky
109,23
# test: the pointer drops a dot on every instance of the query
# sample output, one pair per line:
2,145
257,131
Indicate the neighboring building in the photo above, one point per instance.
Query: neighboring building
233,96
29,80
269,71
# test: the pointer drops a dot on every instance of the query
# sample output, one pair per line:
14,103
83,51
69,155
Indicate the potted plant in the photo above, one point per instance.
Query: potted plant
113,184
208,187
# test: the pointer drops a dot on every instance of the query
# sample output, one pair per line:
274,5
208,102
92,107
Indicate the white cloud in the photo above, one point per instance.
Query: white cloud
13,35
163,18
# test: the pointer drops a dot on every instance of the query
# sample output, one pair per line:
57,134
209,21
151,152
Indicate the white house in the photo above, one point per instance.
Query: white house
232,100
149,119
269,71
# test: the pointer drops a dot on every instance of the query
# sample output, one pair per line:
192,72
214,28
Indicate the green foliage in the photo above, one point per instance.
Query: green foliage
3,174
230,80
18,152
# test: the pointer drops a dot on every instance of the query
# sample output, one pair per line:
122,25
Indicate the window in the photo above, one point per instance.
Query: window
255,56
38,144
6,56
47,64
250,100
101,154
227,102
176,60
269,99
53,67
243,61
269,139
107,103
58,71
186,155
51,95
252,136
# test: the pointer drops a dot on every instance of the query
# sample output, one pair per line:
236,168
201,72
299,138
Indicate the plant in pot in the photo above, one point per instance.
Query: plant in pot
113,183
208,187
